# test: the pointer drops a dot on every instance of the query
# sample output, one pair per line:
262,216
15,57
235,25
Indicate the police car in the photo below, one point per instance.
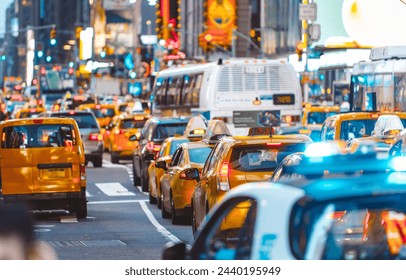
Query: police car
357,214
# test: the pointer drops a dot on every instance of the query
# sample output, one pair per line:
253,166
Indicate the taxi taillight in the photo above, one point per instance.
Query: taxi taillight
95,137
82,172
223,182
119,131
152,147
274,144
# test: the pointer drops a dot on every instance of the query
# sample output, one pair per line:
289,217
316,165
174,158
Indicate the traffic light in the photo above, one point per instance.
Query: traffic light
299,50
52,36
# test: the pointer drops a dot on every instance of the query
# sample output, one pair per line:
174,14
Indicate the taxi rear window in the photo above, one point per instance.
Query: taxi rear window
103,113
250,158
131,123
168,130
175,144
318,117
199,155
38,136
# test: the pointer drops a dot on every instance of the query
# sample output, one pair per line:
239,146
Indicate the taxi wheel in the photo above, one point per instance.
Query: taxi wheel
152,200
98,162
175,218
136,180
159,203
144,182
114,158
164,213
194,227
81,208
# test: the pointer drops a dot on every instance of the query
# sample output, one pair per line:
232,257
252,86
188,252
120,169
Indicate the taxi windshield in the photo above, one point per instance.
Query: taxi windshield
263,157
361,228
318,117
37,136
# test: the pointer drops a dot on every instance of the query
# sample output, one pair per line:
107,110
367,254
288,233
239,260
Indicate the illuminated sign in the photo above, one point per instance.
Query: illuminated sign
283,99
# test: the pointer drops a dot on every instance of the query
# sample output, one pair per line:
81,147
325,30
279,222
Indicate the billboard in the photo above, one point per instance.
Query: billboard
221,20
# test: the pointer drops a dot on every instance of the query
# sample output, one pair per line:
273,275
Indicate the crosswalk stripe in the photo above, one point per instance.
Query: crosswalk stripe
114,189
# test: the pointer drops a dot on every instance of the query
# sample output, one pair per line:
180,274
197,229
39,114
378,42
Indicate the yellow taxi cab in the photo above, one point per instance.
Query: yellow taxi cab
103,112
195,130
176,187
237,160
347,126
387,127
165,154
316,115
29,112
120,145
42,163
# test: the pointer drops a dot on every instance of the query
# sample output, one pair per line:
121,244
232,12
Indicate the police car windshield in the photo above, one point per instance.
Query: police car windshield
367,227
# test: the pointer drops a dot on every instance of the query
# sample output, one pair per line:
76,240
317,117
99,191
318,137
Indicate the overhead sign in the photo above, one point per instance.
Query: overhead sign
308,12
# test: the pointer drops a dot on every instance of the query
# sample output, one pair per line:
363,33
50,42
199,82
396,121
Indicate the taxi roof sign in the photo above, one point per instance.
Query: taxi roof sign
261,130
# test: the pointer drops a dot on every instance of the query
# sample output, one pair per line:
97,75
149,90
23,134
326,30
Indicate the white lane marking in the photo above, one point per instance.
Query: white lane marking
108,164
44,226
162,230
69,219
116,201
140,189
114,189
88,194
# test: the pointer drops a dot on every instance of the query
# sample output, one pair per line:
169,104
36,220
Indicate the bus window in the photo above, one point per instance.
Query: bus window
192,91
160,91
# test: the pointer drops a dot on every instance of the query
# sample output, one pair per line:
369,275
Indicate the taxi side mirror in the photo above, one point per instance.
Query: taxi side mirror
192,174
148,157
135,137
161,164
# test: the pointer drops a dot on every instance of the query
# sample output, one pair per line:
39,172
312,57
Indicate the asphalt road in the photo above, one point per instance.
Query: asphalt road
121,224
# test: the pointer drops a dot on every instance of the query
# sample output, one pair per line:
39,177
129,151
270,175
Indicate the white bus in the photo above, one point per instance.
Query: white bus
244,92
380,84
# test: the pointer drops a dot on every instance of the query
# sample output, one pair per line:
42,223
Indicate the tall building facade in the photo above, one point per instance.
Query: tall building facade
36,18
260,28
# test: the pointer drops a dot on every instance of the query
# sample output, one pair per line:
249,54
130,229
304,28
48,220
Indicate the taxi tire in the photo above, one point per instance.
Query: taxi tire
136,180
114,158
193,222
81,208
144,182
164,213
152,200
159,202
98,162
175,219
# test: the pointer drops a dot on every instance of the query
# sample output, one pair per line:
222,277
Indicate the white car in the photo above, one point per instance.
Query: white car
349,216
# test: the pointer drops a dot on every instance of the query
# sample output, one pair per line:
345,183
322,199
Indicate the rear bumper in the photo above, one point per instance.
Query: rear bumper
46,201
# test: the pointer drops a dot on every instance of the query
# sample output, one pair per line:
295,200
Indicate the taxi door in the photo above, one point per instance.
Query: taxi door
56,165
15,162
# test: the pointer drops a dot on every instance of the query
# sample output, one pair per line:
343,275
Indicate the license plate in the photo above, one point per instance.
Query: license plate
54,173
